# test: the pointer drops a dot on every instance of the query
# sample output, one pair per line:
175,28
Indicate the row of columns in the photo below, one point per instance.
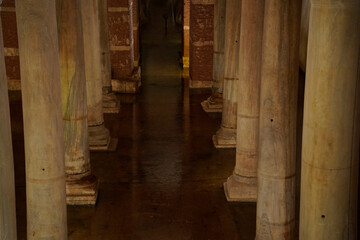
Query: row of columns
259,85
63,71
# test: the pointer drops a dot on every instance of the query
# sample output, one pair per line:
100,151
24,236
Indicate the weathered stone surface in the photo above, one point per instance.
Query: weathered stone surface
278,110
43,126
201,44
330,149
7,179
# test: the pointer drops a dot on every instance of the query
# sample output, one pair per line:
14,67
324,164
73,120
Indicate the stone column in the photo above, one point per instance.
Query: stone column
8,19
214,102
201,43
43,126
278,109
330,150
81,185
99,137
225,137
125,76
186,34
7,181
242,184
304,30
110,103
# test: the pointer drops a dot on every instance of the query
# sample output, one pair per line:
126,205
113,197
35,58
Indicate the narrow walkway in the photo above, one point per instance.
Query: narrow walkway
165,179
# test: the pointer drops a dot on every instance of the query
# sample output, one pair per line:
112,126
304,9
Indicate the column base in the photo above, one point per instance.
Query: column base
237,189
128,85
225,138
213,103
81,189
100,140
111,104
199,84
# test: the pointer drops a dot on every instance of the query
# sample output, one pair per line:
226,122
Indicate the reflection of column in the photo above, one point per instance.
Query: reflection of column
226,136
186,33
110,103
242,184
214,102
304,29
277,131
330,150
201,43
125,76
81,185
7,181
43,127
99,137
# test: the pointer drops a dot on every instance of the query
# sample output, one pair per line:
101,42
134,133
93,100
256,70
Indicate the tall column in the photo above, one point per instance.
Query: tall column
225,137
125,76
330,150
201,43
43,126
242,184
214,102
99,136
81,185
304,30
186,34
110,103
278,109
7,181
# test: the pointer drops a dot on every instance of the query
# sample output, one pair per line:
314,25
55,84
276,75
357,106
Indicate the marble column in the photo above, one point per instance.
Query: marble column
242,184
110,102
330,150
277,132
43,126
99,136
7,179
81,184
225,137
214,102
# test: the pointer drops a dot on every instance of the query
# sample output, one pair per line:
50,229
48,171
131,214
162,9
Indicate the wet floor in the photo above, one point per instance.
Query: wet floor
165,181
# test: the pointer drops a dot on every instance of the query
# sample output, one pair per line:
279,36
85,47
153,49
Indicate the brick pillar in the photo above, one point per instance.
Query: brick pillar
201,43
11,47
125,77
135,19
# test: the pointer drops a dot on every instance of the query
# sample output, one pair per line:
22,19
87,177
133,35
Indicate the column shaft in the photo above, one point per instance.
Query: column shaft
226,136
79,188
7,181
43,127
242,185
214,102
201,43
110,103
99,137
330,150
278,109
